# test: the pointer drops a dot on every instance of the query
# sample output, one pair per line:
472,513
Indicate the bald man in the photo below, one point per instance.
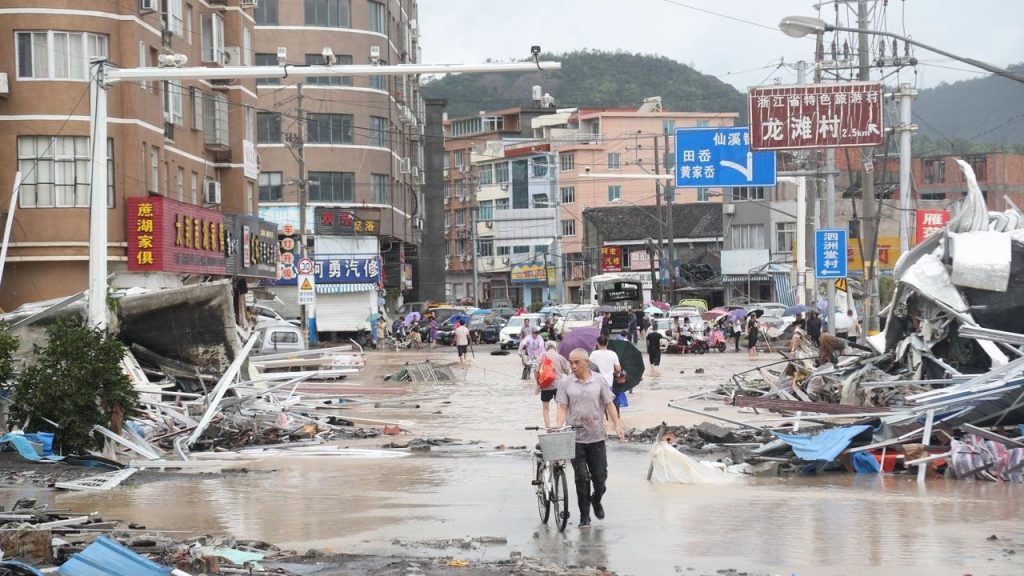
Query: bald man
584,399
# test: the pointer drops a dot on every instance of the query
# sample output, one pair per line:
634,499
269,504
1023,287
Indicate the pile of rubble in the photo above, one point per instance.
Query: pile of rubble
941,387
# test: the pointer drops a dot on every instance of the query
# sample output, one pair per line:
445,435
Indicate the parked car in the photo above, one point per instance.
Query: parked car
508,337
504,311
411,307
486,329
266,314
697,324
577,318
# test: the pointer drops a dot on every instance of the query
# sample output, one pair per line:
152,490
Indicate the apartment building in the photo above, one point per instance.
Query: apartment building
348,147
181,193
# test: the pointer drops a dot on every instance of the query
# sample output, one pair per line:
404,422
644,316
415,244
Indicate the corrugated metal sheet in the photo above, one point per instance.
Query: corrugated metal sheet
105,557
734,278
784,292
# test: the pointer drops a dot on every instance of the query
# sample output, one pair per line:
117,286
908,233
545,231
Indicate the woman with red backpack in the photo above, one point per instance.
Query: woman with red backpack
551,369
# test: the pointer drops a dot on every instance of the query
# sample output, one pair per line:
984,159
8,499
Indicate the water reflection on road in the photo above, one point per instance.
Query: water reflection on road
829,525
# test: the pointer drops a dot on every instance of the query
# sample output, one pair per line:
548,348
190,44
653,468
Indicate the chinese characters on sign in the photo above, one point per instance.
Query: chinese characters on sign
144,234
816,116
336,221
929,222
611,259
717,157
338,269
169,236
530,272
830,253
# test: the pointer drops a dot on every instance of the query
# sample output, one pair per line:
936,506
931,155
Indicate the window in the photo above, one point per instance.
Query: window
703,194
785,236
268,127
747,236
460,189
211,26
504,250
501,204
250,124
264,59
195,99
614,193
485,174
329,128
143,62
266,13
568,228
668,126
492,123
568,194
56,171
748,193
188,24
520,249
460,217
181,184
379,82
702,123
333,79
55,55
330,186
378,131
270,187
154,169
215,119
379,185
460,159
174,103
934,170
460,246
980,166
540,167
613,161
246,47
567,162
447,220
329,13
501,172
487,210
447,191
540,249
485,248
194,188
540,200
377,17
173,20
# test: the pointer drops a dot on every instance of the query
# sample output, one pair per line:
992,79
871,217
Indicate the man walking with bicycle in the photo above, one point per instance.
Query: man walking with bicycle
584,399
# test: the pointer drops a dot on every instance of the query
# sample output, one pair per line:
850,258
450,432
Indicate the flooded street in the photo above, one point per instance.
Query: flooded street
828,524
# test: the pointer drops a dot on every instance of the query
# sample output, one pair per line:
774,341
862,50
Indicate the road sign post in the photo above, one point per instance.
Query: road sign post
307,290
720,158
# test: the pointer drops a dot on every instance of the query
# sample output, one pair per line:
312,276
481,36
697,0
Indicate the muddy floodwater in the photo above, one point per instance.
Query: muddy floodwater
826,524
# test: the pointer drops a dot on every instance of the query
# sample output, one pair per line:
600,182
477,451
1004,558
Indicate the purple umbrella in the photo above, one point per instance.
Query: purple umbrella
585,337
737,314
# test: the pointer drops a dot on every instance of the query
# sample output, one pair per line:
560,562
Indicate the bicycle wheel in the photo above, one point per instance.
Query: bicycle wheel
560,497
540,482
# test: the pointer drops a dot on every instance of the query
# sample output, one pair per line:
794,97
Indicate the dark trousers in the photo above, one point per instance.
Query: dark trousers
589,466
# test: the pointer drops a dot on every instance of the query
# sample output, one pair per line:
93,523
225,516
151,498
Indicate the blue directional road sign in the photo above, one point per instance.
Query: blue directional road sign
830,253
721,158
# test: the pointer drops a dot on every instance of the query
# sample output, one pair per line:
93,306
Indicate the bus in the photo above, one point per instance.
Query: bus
622,292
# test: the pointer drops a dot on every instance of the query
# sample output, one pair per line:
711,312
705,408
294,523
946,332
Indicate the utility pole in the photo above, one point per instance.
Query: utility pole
473,214
906,129
300,143
869,227
556,249
656,286
669,253
805,221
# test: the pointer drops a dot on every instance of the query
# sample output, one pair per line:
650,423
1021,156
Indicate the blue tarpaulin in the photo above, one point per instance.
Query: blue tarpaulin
105,557
24,447
823,445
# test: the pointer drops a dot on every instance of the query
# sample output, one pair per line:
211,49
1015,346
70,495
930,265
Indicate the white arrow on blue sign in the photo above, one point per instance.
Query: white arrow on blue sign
721,158
830,253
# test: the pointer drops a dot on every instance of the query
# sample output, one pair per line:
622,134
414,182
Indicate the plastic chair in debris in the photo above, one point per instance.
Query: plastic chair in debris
105,557
669,465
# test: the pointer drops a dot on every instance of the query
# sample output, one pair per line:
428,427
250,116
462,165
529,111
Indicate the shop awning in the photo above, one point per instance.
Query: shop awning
734,278
345,288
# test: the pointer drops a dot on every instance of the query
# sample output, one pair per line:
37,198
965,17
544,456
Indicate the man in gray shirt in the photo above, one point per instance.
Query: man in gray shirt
584,398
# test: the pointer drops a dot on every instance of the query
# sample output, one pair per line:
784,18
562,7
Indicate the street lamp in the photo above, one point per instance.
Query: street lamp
800,26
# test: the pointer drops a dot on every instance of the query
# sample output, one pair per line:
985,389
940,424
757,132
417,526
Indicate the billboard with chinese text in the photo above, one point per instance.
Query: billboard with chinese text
816,116
342,269
611,259
929,222
169,236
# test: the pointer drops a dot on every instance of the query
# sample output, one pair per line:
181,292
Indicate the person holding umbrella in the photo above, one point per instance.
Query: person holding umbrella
753,332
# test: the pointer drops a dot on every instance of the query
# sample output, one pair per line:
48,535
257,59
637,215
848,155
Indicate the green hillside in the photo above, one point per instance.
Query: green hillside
590,78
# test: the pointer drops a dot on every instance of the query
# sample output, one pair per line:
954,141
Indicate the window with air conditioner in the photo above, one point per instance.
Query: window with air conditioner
57,55
211,192
56,171
211,32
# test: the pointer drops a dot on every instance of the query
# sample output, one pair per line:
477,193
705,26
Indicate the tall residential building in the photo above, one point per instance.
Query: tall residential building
180,191
359,139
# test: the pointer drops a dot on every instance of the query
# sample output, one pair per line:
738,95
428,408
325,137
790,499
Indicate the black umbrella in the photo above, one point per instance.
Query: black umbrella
631,360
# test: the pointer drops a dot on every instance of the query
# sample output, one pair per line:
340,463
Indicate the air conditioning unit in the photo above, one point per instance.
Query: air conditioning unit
489,224
149,5
423,178
406,165
504,260
418,223
466,257
504,186
490,260
211,192
250,3
232,56
416,172
447,199
728,208
5,88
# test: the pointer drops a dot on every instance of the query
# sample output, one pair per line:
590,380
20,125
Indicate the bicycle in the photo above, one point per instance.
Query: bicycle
549,457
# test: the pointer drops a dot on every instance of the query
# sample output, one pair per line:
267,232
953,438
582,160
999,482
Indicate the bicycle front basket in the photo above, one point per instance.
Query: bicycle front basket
558,445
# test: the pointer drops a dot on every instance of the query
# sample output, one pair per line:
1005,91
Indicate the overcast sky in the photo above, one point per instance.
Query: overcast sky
739,44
